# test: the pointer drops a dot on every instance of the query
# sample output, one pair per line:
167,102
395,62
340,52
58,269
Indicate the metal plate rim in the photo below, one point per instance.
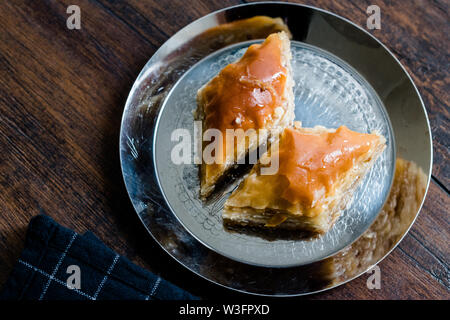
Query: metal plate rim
145,69
320,51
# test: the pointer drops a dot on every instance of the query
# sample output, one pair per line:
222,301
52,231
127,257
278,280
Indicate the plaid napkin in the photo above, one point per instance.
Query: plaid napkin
59,264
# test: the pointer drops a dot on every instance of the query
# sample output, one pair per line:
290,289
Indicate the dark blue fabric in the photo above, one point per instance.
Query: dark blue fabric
41,272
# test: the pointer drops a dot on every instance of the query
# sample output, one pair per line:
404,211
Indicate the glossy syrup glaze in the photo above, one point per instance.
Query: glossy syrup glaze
246,93
313,162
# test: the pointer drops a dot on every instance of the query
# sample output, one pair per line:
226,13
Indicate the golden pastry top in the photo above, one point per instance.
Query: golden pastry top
246,93
313,162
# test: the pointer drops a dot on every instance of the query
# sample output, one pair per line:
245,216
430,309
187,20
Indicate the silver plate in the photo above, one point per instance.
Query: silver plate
340,70
328,92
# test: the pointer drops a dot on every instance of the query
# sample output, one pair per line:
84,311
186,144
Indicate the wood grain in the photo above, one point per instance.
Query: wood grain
62,94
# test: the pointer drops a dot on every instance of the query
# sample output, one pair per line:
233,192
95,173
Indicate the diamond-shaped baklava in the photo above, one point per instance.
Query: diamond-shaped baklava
253,93
318,171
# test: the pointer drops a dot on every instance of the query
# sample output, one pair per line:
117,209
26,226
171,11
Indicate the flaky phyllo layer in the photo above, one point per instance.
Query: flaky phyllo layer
318,171
254,95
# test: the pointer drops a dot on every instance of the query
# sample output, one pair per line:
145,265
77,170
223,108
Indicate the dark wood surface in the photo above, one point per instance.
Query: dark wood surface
62,94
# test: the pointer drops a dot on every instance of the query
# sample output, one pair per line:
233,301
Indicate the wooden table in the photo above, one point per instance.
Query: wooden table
63,91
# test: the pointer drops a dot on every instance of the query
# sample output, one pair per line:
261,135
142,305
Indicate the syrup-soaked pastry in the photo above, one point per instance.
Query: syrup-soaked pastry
318,172
251,94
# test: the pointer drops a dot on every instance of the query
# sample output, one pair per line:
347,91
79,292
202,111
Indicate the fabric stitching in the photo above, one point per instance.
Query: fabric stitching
110,269
95,267
55,279
60,246
55,270
155,286
45,249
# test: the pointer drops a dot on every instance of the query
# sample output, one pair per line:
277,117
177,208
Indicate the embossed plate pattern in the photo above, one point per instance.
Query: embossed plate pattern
347,52
327,92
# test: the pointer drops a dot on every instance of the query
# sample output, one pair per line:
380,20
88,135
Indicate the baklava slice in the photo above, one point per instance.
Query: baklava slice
253,94
318,171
